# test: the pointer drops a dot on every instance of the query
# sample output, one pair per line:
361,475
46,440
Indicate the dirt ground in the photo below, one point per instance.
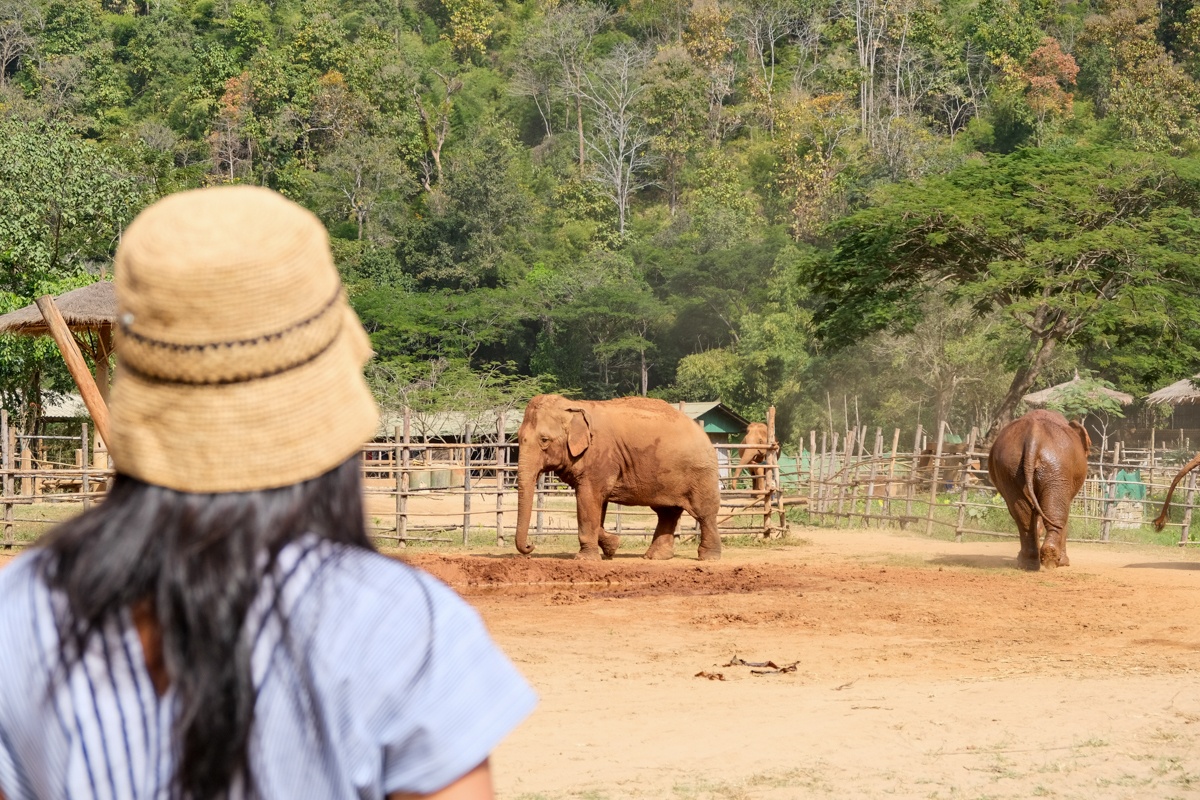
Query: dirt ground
922,669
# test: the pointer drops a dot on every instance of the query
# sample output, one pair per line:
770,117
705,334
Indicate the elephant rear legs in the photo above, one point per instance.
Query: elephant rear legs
1053,551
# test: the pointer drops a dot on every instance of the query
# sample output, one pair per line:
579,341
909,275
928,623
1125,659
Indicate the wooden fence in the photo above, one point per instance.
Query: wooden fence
414,490
447,491
858,478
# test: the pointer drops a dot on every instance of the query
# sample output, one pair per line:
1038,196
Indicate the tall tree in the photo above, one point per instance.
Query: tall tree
620,137
1064,243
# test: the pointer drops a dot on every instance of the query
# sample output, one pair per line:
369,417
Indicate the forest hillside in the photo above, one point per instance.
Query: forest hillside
863,211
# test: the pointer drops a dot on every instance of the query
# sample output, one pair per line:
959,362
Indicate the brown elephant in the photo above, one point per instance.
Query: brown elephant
1038,464
634,451
750,459
1161,520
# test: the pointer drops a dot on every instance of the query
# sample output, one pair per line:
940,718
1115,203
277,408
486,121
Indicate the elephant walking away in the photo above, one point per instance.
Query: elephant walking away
1161,520
1038,464
634,451
750,459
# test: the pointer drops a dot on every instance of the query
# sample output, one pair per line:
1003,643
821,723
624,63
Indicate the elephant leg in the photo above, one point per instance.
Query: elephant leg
1054,545
1027,526
609,542
662,546
589,513
710,540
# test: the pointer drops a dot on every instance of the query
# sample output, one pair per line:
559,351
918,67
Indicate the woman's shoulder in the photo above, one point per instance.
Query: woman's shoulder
364,593
20,583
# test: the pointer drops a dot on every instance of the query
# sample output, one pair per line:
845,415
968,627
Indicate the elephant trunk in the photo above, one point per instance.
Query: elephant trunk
529,467
1161,520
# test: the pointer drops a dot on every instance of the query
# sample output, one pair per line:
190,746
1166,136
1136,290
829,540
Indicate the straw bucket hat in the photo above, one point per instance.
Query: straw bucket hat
239,361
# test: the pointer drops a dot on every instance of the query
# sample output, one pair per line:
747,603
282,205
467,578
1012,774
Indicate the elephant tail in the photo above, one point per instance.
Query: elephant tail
1029,459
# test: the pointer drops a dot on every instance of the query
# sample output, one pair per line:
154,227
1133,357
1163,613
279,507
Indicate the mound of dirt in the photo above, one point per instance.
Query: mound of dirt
622,577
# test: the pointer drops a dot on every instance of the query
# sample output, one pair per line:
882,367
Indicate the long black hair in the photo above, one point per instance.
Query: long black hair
198,559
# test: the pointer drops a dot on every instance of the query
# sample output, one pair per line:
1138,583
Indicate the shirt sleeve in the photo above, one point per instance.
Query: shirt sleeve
461,701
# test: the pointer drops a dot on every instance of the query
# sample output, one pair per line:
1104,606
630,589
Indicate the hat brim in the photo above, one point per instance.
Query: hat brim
258,434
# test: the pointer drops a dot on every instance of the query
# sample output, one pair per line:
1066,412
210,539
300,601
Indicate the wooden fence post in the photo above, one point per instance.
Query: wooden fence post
887,495
962,497
84,486
1108,493
935,477
812,470
501,460
405,478
1185,533
845,471
821,476
466,484
911,483
28,487
770,473
871,477
6,463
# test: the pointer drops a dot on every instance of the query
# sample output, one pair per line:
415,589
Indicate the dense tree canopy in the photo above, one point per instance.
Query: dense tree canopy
928,207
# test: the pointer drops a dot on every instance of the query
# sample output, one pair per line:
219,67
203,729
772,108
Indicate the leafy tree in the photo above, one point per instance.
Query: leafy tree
1153,100
1064,243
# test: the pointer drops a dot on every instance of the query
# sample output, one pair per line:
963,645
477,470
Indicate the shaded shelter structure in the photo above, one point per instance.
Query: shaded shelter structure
87,315
1183,398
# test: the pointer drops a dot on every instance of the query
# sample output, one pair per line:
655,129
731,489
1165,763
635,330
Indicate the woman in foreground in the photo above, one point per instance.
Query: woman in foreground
220,626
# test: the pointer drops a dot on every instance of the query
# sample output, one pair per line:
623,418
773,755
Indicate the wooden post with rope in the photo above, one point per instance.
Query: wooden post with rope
76,365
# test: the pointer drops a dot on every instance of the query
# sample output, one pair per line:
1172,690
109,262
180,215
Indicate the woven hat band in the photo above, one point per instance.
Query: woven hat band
234,361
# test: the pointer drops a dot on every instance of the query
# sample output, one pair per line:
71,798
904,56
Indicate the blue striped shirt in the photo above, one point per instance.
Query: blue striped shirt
408,692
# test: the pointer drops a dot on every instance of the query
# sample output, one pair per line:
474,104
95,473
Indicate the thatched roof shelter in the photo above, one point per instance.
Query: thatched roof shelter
85,315
1184,391
1040,399
91,308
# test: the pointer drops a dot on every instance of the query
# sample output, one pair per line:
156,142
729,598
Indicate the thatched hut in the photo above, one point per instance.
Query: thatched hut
89,311
1183,397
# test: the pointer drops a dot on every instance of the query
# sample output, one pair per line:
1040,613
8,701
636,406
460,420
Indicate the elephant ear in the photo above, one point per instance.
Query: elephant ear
579,434
1084,439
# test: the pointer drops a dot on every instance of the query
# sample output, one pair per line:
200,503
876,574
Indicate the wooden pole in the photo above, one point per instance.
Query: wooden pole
1185,533
821,476
405,478
813,469
770,473
962,495
76,365
887,496
466,485
934,478
28,487
501,461
871,476
83,475
845,472
6,462
911,485
1108,494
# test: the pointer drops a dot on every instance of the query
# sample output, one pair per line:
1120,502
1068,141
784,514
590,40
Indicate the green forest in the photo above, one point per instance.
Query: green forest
875,212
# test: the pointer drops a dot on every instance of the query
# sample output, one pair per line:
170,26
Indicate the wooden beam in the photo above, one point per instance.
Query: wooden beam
76,365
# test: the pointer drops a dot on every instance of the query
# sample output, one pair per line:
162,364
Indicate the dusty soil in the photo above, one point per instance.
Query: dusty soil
922,669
